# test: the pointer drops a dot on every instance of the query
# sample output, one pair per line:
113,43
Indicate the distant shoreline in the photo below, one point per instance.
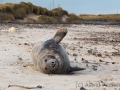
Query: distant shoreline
84,22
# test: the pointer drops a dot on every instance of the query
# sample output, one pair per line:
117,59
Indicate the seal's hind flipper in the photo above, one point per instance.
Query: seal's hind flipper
60,34
76,69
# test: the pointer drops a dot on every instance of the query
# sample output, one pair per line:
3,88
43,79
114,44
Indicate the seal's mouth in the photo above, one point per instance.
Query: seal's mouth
52,66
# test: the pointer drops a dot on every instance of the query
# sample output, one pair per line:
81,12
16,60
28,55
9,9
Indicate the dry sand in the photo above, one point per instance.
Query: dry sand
95,47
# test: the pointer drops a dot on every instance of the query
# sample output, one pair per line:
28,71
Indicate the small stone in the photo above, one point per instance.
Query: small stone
82,88
99,54
25,44
19,58
94,67
101,60
75,54
39,86
81,47
113,62
24,66
83,59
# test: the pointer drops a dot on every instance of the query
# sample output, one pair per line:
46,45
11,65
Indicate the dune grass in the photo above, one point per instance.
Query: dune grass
20,10
106,18
59,12
73,19
48,19
6,17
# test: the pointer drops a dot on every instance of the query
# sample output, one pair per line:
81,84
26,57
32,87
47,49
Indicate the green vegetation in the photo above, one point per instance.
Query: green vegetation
44,19
59,12
107,18
47,19
7,17
73,19
11,12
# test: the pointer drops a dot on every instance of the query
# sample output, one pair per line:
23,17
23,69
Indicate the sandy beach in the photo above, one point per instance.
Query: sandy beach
95,47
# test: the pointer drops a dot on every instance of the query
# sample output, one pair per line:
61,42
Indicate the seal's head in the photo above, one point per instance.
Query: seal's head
49,64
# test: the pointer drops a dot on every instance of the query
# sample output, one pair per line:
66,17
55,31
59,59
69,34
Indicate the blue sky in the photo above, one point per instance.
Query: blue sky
78,6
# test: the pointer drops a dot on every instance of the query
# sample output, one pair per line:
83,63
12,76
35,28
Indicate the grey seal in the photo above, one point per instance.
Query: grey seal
50,57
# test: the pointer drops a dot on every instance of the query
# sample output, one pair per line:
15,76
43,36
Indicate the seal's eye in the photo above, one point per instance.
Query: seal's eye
45,60
45,68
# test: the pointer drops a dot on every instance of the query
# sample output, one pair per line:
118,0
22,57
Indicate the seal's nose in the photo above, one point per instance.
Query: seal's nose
53,62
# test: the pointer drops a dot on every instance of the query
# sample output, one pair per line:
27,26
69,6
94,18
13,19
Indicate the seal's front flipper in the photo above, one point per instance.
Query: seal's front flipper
60,34
76,69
